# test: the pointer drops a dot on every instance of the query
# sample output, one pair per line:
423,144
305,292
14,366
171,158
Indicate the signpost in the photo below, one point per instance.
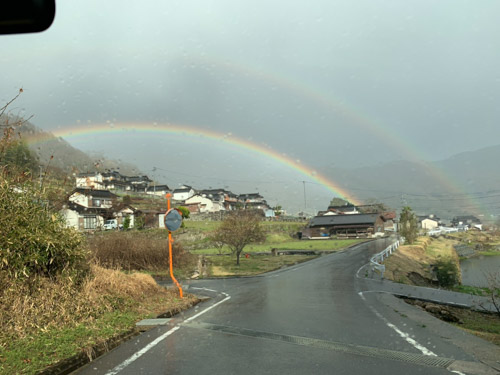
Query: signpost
173,221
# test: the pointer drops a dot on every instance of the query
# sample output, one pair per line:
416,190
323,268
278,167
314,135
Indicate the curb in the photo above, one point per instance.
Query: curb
68,365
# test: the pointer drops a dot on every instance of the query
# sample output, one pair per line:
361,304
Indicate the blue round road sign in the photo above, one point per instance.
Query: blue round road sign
173,220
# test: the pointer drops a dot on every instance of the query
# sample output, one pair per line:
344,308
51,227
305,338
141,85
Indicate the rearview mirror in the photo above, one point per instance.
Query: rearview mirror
26,16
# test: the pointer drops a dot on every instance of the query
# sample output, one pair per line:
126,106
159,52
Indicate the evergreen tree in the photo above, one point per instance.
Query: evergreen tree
408,225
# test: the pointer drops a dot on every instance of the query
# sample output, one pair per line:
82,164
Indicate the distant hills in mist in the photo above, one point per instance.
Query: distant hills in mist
67,158
457,185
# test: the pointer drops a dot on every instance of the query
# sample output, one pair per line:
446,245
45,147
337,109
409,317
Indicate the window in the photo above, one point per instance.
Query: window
89,222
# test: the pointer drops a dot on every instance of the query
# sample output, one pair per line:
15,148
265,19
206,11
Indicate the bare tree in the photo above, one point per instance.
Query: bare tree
494,289
217,241
238,230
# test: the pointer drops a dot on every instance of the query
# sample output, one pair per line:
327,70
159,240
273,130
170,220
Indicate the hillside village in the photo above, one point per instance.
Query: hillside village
100,198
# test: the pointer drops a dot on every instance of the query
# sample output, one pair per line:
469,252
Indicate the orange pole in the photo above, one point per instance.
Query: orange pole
170,241
168,195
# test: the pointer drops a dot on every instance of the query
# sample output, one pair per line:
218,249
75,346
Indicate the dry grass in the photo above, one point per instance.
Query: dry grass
44,320
408,258
417,258
41,303
137,251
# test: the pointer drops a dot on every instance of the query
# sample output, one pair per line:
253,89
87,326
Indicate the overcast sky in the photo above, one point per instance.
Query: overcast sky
342,83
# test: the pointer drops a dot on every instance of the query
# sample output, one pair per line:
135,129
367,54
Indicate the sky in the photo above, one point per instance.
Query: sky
328,83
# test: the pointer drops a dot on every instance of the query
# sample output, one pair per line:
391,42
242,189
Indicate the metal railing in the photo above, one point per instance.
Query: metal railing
377,260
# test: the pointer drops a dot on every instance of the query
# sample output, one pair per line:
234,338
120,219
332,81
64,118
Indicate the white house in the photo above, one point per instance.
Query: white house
92,198
82,218
87,209
124,213
183,193
71,217
90,181
429,222
204,204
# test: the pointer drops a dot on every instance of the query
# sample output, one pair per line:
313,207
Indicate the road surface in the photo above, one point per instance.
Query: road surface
312,318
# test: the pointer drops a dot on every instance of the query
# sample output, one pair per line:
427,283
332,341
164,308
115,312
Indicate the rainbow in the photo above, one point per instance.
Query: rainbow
339,107
190,131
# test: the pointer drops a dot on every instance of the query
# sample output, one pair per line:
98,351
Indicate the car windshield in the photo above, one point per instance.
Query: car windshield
281,132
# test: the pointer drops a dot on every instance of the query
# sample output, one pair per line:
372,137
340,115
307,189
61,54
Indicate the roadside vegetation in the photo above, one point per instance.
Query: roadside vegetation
144,251
56,297
427,262
433,262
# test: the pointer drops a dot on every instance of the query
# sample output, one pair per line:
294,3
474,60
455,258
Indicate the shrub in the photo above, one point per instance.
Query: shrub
33,240
447,273
126,223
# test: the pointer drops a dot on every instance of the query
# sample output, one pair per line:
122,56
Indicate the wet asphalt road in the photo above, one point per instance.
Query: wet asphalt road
307,319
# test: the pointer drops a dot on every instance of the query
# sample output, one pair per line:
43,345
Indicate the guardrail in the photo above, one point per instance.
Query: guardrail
377,259
444,230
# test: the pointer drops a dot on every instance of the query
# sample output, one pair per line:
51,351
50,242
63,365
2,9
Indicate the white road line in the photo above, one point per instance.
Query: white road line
209,308
413,342
404,335
210,290
139,353
360,268
155,342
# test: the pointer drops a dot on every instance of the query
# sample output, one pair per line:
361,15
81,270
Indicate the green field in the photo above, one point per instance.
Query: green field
270,226
316,245
220,266
279,235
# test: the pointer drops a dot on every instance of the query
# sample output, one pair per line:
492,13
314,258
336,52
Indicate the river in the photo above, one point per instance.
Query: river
475,270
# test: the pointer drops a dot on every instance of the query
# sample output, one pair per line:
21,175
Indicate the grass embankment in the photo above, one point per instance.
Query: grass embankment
409,260
411,264
44,321
486,326
47,319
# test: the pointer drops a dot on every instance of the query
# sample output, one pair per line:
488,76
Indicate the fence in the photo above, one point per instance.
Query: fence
377,260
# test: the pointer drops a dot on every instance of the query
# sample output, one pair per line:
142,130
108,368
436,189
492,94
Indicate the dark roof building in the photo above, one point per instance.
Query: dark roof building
466,219
354,225
184,189
158,188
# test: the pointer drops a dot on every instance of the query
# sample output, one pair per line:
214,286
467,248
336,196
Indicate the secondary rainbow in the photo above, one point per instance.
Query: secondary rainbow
190,131
340,107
